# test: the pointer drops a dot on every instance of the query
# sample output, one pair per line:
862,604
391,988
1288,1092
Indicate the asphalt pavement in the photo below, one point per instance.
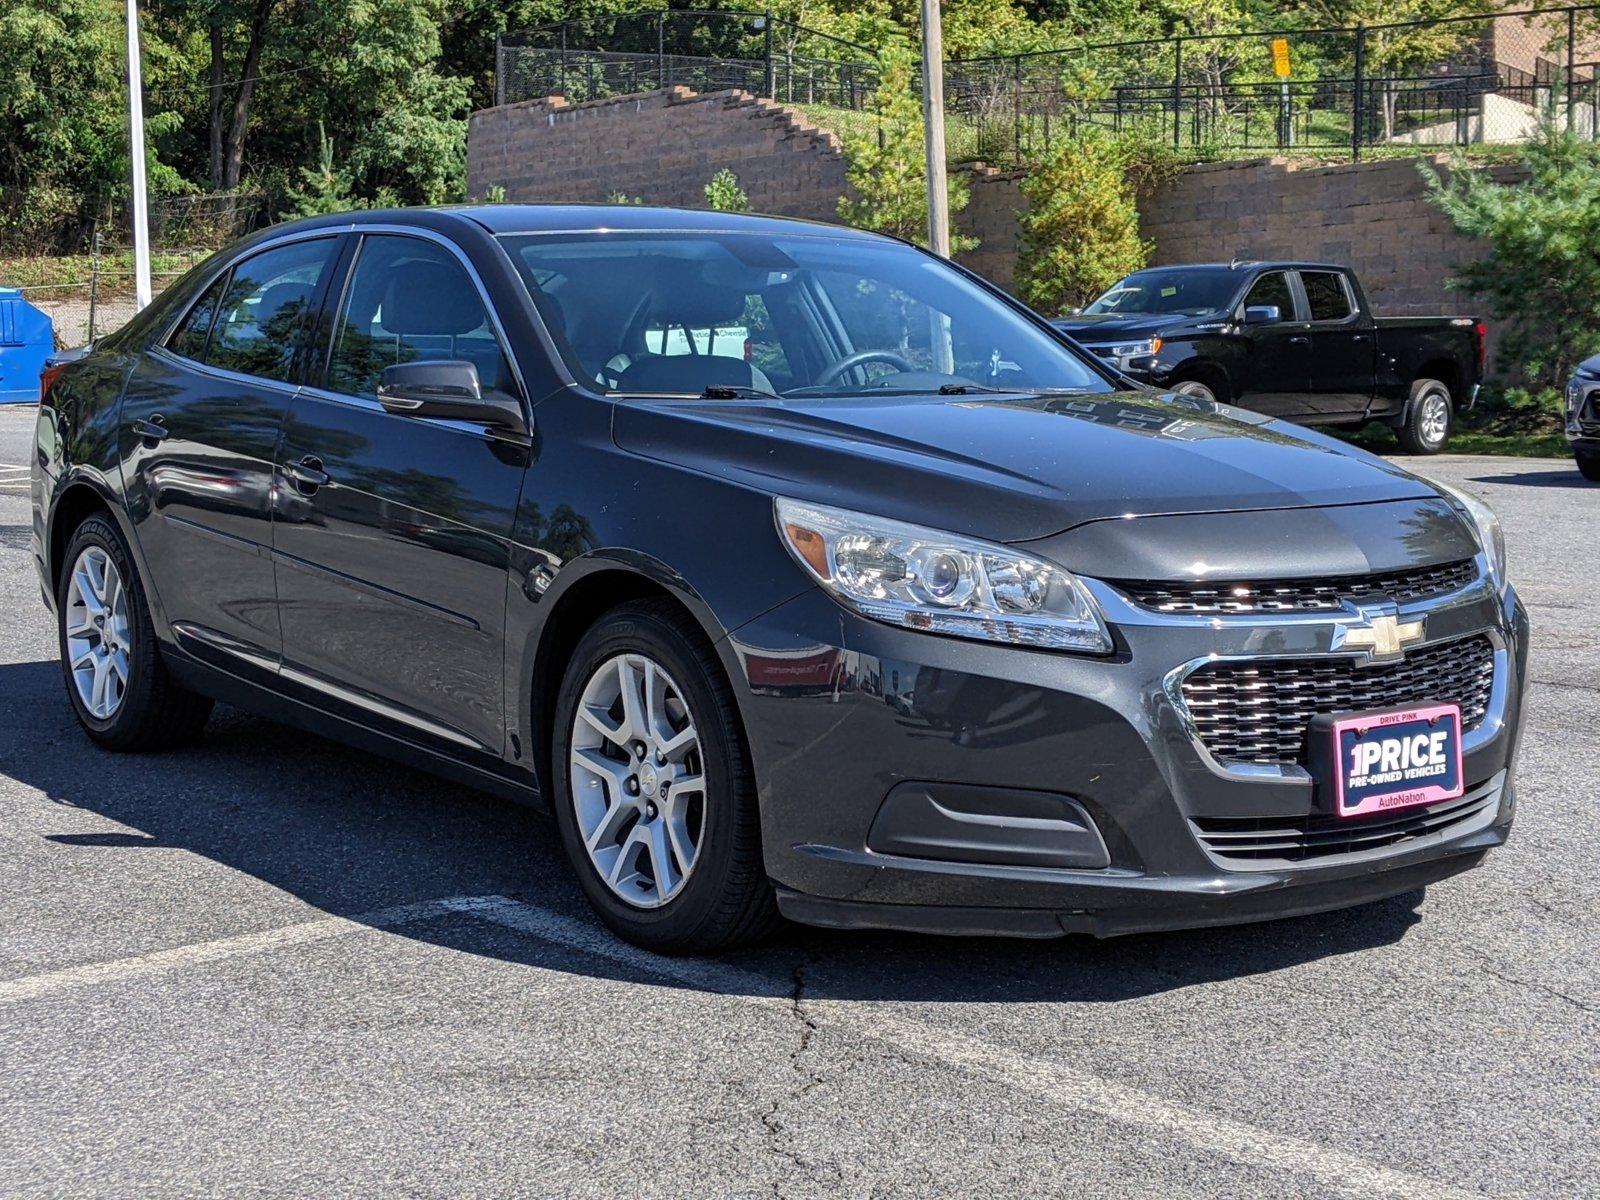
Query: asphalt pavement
271,966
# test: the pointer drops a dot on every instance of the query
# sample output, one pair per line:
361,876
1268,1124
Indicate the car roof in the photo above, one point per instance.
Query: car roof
1270,264
583,218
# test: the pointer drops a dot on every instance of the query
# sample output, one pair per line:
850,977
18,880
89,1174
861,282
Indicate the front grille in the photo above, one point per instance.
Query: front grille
1259,710
1321,835
1300,595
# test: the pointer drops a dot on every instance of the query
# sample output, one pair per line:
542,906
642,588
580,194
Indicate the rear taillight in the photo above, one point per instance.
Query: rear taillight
48,377
1480,332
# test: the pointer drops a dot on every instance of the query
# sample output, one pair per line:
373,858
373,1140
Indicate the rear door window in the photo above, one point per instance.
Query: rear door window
1326,295
411,300
263,312
189,338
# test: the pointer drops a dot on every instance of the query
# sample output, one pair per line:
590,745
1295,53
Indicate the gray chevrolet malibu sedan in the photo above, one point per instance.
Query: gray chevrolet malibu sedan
792,569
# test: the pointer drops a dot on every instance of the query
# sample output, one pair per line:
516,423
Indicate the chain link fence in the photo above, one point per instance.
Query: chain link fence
1466,81
89,293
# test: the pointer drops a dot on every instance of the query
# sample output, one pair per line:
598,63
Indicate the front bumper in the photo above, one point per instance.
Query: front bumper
842,711
1582,413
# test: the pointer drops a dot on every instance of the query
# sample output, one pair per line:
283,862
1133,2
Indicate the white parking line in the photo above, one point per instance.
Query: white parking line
1054,1083
29,987
1340,1173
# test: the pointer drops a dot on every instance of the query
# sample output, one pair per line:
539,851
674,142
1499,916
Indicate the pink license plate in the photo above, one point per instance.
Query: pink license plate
1400,759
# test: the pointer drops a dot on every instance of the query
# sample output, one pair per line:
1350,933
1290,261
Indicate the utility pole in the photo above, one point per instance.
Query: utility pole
141,212
933,128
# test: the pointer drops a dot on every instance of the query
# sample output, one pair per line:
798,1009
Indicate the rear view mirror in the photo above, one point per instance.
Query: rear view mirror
448,390
1261,314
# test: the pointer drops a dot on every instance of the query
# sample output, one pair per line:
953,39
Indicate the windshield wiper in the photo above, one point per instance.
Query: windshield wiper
737,391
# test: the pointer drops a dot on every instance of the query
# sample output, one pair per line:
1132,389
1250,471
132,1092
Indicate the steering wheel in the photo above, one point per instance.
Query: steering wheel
860,358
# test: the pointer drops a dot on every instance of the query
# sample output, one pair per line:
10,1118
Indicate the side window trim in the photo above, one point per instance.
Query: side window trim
321,379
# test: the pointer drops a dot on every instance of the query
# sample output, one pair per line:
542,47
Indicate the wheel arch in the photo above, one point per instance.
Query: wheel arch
1207,371
1447,372
595,586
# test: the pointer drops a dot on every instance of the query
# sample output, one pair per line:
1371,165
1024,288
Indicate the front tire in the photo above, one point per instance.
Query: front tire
1193,387
654,794
1589,464
119,687
1429,417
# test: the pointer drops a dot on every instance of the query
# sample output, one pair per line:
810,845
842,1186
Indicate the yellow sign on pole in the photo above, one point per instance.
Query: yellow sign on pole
1280,57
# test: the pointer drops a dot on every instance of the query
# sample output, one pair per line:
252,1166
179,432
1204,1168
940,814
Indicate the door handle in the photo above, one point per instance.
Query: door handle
1299,341
153,429
307,474
1360,337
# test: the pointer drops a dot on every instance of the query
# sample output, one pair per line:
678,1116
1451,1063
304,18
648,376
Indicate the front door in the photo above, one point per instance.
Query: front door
392,533
1273,372
200,421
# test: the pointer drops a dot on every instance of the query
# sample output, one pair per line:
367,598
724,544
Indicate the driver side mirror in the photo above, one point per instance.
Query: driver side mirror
448,390
1262,314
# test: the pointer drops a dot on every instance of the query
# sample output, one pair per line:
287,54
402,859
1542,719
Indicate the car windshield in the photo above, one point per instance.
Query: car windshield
737,314
1184,291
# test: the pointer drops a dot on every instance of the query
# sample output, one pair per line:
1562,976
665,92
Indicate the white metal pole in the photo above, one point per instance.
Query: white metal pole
933,125
141,212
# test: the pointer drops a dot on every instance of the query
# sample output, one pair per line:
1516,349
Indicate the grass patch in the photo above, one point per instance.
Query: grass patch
75,270
1380,439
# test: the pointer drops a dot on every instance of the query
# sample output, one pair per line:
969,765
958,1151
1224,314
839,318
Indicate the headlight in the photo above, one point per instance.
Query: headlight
1487,526
941,582
1130,350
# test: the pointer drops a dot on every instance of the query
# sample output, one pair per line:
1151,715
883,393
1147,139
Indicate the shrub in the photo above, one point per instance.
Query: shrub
1080,232
888,166
1541,275
723,193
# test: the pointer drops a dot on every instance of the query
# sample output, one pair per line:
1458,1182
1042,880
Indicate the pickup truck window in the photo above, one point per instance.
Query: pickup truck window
1326,294
1272,288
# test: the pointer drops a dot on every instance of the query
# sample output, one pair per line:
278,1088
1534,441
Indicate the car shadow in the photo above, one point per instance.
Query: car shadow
1545,477
350,833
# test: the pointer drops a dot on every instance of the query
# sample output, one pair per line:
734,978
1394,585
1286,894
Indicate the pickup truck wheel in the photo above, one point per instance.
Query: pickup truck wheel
1193,387
1589,464
1428,420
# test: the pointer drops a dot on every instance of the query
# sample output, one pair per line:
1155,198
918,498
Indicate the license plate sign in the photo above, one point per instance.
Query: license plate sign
1388,760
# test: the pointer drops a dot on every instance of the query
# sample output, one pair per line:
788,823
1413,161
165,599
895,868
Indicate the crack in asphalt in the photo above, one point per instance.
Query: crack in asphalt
778,1141
1584,1006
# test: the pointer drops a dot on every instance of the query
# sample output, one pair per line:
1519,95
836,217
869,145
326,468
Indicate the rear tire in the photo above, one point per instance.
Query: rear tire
1428,420
676,864
1589,464
118,686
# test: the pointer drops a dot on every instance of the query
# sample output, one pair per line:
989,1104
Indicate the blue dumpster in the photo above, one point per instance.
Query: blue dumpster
27,338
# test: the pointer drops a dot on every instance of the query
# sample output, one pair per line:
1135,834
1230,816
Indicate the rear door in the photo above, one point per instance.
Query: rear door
392,533
1343,351
200,421
1273,374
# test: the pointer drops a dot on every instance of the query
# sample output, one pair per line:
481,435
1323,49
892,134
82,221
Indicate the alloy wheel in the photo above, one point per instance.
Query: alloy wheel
99,634
1433,422
637,780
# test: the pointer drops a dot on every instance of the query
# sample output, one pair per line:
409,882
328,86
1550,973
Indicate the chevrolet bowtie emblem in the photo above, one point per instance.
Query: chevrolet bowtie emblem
1383,635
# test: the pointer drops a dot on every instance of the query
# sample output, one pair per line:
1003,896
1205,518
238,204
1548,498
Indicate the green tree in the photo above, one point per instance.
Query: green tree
723,193
323,188
888,169
1080,231
1541,275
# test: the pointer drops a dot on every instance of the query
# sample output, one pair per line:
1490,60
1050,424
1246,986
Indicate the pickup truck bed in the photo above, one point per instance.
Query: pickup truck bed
1293,340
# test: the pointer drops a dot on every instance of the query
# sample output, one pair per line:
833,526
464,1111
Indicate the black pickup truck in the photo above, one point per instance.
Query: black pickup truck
1293,340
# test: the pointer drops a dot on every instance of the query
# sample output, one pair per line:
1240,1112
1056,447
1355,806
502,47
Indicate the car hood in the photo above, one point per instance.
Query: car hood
1011,468
1110,328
